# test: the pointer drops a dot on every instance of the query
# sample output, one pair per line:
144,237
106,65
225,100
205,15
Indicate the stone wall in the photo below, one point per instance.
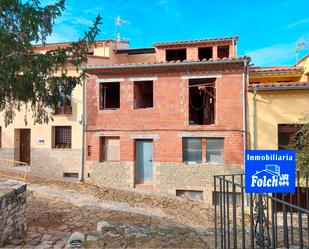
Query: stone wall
53,163
8,153
116,174
170,177
167,177
49,163
13,222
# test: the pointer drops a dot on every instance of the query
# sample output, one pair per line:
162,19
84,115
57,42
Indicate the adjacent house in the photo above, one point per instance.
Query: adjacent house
167,118
278,100
53,150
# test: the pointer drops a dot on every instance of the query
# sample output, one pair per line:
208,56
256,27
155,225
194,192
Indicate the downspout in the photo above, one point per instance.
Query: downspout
244,107
254,118
244,103
82,173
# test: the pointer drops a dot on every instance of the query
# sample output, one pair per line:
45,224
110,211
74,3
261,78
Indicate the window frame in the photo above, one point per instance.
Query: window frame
103,145
101,97
221,150
211,94
185,150
288,130
135,87
176,52
55,143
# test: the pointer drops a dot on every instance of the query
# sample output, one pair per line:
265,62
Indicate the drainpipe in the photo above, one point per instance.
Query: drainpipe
244,103
254,119
82,173
244,106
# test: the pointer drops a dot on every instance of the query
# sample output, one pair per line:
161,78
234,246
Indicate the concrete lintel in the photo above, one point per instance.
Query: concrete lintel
111,80
108,134
144,136
143,78
201,134
200,76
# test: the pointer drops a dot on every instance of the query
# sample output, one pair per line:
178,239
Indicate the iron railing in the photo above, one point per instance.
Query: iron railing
260,220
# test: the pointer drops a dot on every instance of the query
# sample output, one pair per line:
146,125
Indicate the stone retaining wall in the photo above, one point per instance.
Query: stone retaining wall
112,174
167,177
13,222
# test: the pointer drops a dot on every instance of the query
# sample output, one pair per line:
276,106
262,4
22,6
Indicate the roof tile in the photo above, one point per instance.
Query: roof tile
179,62
275,69
282,85
180,42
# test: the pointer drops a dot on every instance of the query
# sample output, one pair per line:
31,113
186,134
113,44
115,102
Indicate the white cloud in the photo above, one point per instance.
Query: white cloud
69,17
93,11
277,54
298,23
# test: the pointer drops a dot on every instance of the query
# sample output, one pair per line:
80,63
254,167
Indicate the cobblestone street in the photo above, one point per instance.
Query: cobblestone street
55,211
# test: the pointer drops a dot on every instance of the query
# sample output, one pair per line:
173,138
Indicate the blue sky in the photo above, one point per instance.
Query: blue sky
268,30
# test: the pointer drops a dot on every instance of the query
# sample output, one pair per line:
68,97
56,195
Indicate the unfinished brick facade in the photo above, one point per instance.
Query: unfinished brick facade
165,124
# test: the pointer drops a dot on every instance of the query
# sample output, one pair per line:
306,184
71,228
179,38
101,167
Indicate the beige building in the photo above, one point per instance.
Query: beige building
278,98
54,149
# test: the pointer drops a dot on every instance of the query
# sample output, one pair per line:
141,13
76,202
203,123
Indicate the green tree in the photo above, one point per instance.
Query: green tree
300,143
28,79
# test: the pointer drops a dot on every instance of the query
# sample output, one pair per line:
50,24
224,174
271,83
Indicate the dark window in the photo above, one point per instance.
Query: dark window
71,175
110,149
215,150
202,101
90,51
205,53
192,149
190,194
143,94
228,196
65,104
89,149
176,54
63,137
285,133
223,52
109,95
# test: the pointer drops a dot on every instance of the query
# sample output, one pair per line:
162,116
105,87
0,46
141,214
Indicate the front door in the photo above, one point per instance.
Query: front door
24,146
143,161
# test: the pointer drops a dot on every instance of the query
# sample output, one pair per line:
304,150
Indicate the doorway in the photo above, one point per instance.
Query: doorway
143,150
25,145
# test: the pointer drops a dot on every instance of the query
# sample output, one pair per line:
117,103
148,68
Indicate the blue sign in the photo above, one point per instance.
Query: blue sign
270,171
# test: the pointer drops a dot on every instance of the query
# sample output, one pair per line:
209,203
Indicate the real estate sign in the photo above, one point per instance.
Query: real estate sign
270,171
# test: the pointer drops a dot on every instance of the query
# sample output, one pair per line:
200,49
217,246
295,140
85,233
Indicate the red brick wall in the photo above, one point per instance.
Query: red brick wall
192,50
168,118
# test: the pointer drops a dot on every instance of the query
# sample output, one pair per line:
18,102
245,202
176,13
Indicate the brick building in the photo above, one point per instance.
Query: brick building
169,121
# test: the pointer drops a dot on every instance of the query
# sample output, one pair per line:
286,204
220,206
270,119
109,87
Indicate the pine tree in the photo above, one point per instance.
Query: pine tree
29,79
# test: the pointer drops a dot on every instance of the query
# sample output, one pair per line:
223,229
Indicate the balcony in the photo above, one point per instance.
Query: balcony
63,110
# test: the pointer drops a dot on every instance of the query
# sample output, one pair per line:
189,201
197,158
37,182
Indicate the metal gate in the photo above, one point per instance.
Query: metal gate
260,220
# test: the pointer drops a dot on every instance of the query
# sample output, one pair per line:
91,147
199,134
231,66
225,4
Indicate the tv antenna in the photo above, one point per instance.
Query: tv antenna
300,45
118,23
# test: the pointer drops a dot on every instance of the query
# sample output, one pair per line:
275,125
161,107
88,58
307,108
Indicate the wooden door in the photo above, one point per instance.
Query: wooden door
25,146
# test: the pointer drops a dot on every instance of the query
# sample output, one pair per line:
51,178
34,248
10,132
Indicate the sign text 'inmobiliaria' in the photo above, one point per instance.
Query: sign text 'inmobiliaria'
270,171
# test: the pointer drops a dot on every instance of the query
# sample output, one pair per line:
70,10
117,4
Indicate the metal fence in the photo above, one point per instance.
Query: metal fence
260,220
